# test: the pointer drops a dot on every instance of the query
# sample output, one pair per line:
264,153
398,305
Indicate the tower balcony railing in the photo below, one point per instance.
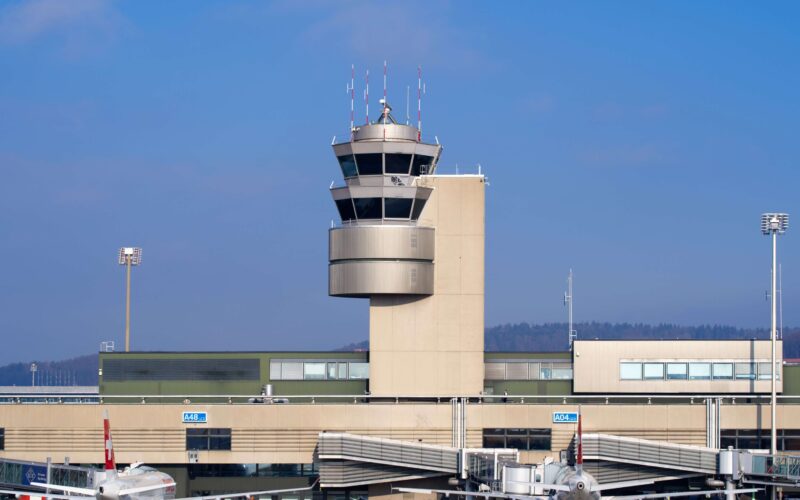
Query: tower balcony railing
374,222
346,137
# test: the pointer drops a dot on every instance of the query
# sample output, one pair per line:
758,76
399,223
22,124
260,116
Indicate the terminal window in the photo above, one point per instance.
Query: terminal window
753,439
695,370
527,370
2,438
208,439
521,439
318,369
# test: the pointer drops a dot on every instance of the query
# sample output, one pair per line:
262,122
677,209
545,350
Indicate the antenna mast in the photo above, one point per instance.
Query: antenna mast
384,96
419,103
366,98
572,333
351,88
408,96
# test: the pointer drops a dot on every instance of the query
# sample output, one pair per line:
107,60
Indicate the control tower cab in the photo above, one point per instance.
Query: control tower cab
380,247
412,241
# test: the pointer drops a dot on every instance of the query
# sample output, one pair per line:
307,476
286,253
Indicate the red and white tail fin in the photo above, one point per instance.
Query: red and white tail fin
109,447
579,460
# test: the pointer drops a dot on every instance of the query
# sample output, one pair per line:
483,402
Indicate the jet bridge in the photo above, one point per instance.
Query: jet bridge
618,458
351,460
20,474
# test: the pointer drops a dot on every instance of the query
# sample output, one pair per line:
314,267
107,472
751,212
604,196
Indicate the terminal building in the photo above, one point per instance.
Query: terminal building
411,242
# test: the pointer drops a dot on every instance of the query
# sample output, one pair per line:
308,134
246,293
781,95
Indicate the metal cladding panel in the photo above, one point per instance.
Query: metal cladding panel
345,473
383,132
362,278
612,472
408,455
381,242
649,453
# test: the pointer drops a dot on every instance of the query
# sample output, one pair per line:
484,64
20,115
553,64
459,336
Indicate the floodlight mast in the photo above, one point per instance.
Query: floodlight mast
773,224
572,334
129,256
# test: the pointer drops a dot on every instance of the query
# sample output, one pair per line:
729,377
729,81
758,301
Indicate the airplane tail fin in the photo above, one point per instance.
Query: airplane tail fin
111,464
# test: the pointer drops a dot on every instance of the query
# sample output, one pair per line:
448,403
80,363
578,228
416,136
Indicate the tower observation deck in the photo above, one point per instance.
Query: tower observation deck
380,247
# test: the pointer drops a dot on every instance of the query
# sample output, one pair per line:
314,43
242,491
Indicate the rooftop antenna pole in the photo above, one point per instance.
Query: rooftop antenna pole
352,89
572,333
408,97
419,103
384,95
366,98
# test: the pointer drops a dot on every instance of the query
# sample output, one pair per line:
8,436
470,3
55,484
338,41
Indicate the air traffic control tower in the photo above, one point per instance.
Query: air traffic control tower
412,242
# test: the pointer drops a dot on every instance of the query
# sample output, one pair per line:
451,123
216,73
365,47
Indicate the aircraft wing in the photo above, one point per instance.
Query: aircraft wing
685,494
19,493
67,489
250,493
142,489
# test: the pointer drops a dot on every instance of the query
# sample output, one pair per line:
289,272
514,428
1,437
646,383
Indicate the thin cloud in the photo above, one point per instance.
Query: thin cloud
396,31
76,25
625,156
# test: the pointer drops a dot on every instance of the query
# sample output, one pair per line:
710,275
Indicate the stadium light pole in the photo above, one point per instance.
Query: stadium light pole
128,257
773,224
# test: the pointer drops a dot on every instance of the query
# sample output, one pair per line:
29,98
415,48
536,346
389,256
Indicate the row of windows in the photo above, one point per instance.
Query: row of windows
380,208
521,439
695,370
388,163
208,438
752,439
318,370
524,370
252,470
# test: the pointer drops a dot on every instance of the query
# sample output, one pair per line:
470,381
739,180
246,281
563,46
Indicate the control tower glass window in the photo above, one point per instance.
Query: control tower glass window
346,211
422,165
370,164
397,208
397,163
348,164
368,208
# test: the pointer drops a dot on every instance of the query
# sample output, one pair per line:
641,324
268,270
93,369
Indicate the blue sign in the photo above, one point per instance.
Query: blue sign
195,417
565,417
33,474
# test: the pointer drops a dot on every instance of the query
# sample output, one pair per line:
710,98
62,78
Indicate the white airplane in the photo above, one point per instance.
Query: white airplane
574,483
132,483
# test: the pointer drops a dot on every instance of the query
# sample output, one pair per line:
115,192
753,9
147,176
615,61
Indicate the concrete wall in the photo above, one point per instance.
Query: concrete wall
434,345
596,365
289,433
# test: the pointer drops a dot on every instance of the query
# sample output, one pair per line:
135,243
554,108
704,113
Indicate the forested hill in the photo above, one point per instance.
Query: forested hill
545,337
75,371
520,337
549,337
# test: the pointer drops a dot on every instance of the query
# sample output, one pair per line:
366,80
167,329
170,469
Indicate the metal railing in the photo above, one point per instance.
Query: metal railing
531,399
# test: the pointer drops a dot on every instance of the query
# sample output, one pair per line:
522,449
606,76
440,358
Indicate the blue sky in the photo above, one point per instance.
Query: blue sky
636,142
